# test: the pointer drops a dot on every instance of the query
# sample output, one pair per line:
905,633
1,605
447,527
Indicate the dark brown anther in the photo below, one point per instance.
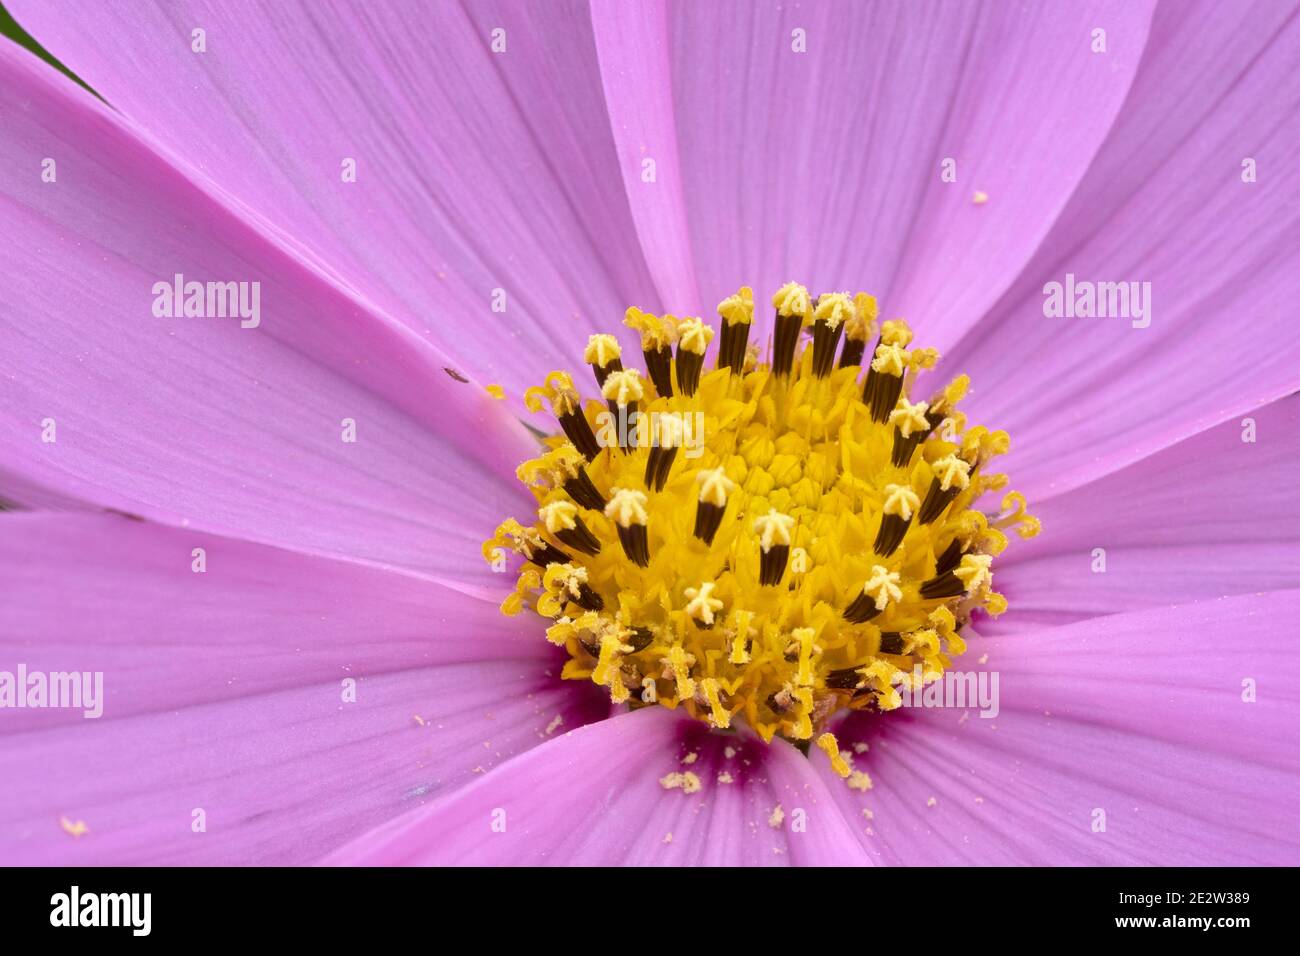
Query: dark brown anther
623,416
950,559
904,448
862,609
708,518
787,337
578,430
636,543
772,564
588,599
847,678
936,500
658,464
583,491
852,352
825,341
547,555
731,349
891,642
659,366
689,365
639,639
946,585
885,396
603,372
890,535
579,537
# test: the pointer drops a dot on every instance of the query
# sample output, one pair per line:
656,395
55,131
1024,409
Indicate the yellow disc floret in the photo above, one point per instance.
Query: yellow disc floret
761,542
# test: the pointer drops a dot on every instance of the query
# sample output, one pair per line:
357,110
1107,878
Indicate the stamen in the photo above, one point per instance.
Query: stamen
701,605
833,311
622,391
885,376
663,451
563,521
737,313
714,488
627,510
880,590
773,530
911,427
604,355
692,342
951,475
900,504
860,327
656,346
559,390
792,309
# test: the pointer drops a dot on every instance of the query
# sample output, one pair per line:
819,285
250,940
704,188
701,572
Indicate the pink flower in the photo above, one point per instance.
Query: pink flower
302,653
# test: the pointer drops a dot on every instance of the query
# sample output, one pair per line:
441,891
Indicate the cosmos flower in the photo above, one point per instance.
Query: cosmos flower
265,527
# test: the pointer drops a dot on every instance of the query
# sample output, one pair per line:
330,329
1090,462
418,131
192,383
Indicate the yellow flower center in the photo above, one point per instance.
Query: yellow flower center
766,542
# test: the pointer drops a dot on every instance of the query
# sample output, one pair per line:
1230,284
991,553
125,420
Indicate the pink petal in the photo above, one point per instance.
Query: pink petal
200,421
282,777
1138,715
597,796
633,43
826,166
1211,516
226,690
1164,203
476,170
107,593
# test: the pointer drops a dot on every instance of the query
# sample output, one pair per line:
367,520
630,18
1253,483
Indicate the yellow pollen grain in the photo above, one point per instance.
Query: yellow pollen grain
831,747
655,332
715,486
718,713
896,332
883,586
952,472
890,359
694,336
627,507
792,299
974,571
776,818
700,603
601,350
559,516
859,780
909,418
686,782
901,501
496,391
738,309
74,828
833,308
623,387
979,197
773,529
